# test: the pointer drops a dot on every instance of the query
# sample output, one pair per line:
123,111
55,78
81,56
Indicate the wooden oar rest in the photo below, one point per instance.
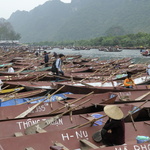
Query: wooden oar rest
61,145
18,134
29,148
56,147
87,144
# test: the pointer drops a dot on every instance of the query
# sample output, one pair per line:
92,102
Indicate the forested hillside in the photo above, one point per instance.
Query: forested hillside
7,32
82,19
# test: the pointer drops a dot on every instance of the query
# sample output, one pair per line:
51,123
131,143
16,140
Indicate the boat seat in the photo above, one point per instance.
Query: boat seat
88,144
61,145
18,134
29,148
148,86
56,147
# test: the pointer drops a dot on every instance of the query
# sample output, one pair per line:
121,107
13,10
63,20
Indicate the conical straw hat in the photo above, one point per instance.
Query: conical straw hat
113,112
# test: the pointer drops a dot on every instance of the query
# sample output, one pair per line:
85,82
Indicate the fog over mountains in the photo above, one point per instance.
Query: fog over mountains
81,19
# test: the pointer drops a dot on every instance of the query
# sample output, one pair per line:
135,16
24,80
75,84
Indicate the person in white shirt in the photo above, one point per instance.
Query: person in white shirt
1,84
148,69
11,69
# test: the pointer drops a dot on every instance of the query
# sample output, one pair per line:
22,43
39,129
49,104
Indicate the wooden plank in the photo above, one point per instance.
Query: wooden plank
142,96
89,144
61,145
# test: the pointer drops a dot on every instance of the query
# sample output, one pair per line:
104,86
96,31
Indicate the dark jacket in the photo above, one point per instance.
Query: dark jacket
117,136
46,58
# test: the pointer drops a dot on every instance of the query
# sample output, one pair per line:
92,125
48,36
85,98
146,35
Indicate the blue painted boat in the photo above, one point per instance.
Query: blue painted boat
56,97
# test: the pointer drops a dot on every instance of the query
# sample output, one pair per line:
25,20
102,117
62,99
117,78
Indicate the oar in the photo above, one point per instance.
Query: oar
142,96
110,77
34,106
130,114
43,124
57,110
88,122
5,87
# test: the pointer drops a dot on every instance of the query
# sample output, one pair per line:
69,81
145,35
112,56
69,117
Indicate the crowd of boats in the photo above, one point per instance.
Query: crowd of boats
38,113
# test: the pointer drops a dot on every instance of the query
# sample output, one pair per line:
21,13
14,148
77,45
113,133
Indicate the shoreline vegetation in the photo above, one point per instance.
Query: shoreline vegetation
134,41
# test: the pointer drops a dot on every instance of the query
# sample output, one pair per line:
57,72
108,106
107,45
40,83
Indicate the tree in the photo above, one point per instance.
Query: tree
7,32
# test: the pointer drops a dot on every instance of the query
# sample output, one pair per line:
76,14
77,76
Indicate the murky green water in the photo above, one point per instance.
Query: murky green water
134,54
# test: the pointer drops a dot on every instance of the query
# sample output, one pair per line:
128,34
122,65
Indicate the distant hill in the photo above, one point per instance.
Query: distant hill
81,19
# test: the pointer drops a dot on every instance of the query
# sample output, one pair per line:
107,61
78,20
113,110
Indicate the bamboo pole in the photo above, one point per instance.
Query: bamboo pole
88,122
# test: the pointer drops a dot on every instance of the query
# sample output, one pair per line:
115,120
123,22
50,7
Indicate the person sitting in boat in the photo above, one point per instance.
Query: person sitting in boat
128,82
113,132
11,69
59,62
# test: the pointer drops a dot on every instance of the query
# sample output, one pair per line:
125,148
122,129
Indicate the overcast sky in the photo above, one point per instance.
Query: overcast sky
7,7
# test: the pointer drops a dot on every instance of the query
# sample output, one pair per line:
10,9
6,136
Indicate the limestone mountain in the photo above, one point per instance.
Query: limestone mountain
81,19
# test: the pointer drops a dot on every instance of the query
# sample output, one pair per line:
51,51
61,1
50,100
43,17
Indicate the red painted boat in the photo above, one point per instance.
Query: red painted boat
53,108
87,87
70,138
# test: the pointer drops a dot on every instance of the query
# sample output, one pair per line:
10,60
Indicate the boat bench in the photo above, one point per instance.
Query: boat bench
88,144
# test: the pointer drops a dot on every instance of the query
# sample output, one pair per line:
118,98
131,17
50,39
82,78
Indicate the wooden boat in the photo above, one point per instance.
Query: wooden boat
11,73
134,146
15,98
71,138
52,108
5,65
122,97
87,87
32,84
65,122
132,96
11,90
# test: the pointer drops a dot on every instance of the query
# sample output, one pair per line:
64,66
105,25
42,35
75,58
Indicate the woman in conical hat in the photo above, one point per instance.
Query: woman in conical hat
114,129
113,132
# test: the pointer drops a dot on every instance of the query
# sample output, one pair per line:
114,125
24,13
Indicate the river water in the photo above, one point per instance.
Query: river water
132,53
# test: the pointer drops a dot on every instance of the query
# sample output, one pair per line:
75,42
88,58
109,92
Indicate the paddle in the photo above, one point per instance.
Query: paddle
142,96
34,106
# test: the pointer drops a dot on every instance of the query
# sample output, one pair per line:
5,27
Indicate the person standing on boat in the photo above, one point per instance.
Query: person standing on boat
59,62
55,55
46,59
128,82
113,132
